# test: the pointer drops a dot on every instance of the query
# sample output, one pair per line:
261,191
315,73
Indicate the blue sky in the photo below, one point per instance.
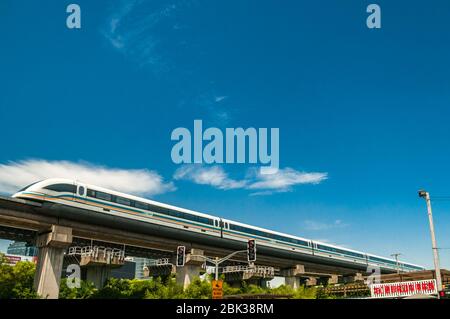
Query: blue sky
367,108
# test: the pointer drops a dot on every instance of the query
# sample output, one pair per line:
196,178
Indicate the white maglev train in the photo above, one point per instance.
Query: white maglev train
105,202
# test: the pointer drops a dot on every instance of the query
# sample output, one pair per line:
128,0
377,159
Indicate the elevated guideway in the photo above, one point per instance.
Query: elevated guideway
55,227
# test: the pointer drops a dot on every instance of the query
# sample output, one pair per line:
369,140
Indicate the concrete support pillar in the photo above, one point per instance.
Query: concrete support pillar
311,281
334,279
293,282
191,269
98,275
353,278
52,246
293,276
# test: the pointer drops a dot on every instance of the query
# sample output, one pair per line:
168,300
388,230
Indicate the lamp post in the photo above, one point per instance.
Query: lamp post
426,196
396,261
217,261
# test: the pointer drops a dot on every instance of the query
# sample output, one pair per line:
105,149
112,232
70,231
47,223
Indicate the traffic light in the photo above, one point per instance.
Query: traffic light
251,250
181,256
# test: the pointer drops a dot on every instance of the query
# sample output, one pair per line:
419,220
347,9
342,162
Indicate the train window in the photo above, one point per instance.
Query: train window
103,196
81,191
340,251
140,205
21,190
123,201
174,213
66,188
90,193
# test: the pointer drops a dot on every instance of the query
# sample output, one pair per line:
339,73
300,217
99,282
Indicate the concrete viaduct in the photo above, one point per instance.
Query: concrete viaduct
32,222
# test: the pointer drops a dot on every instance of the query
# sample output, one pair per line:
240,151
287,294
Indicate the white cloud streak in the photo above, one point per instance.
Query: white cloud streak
214,176
264,184
15,175
285,178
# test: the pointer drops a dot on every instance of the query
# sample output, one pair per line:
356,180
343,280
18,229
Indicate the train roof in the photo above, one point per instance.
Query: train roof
51,181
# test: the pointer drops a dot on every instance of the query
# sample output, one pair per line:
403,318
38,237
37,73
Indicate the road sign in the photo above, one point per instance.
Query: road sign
217,289
404,289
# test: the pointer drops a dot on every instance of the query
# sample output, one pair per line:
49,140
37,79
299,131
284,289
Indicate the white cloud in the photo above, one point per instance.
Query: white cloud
214,176
130,29
15,175
317,226
265,184
220,98
285,178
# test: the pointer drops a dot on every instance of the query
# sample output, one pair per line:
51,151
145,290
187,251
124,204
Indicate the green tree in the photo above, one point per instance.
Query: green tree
115,289
17,281
6,278
168,289
198,289
86,290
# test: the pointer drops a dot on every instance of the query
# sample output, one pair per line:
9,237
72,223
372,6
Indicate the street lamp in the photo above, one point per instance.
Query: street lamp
396,261
426,196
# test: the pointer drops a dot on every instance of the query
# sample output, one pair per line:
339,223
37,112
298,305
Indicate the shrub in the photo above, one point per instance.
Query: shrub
16,282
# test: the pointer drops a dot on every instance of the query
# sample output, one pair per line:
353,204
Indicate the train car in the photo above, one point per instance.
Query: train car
243,232
94,203
105,201
335,252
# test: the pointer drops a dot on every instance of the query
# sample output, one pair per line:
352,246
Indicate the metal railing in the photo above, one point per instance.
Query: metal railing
159,262
265,271
97,252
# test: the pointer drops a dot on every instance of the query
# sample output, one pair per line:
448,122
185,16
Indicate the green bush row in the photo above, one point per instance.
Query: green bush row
17,282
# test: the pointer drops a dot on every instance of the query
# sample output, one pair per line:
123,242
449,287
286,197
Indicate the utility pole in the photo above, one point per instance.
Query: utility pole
396,261
426,196
216,273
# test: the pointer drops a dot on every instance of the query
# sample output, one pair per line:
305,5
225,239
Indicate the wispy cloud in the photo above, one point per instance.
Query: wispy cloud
15,175
130,30
216,107
265,184
284,179
214,176
318,226
152,35
220,98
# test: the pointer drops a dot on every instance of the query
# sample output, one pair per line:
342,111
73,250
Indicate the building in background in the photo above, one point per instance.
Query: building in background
126,271
140,263
22,249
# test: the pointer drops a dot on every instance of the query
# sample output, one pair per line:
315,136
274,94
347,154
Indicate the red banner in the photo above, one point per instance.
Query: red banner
404,289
